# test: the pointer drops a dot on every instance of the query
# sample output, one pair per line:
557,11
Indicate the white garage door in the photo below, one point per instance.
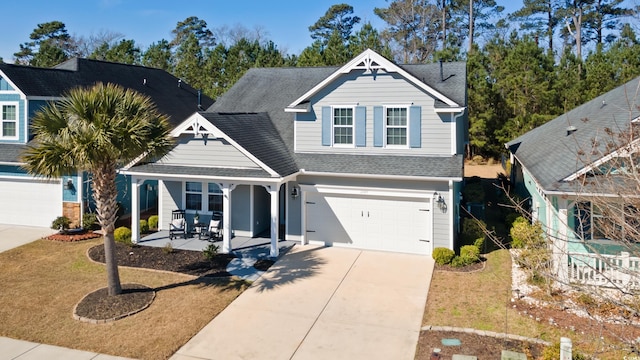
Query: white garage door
376,223
30,202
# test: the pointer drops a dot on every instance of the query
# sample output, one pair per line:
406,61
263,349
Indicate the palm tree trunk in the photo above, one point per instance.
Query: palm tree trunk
105,194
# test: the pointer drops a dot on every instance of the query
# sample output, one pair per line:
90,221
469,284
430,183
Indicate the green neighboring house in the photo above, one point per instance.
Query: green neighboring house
570,165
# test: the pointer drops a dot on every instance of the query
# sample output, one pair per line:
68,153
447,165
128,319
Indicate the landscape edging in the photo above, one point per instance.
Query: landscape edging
485,333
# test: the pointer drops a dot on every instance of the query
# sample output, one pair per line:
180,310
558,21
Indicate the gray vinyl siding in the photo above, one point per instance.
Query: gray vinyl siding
241,207
192,151
171,200
261,210
441,225
295,211
371,90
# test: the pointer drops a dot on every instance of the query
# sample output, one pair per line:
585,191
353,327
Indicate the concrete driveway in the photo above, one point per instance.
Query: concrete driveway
323,303
12,236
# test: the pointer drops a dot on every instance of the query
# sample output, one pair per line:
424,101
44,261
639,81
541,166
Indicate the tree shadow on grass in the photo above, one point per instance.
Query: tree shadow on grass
223,283
293,267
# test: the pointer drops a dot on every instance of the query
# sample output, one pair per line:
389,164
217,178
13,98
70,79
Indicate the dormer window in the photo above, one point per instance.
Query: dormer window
343,126
9,119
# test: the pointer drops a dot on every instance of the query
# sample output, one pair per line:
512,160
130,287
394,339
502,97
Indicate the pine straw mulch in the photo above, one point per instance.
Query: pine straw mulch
98,306
74,236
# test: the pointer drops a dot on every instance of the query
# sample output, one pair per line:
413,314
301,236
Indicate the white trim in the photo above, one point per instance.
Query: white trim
406,126
451,219
45,98
368,191
454,132
15,103
11,163
290,110
450,110
619,152
353,126
369,60
185,177
13,85
197,121
31,178
369,176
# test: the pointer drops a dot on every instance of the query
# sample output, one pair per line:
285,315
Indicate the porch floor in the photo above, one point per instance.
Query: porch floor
256,247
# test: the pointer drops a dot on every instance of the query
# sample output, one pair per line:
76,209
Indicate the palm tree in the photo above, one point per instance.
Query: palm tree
98,130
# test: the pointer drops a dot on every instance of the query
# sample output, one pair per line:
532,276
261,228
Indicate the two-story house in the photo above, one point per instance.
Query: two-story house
29,200
368,155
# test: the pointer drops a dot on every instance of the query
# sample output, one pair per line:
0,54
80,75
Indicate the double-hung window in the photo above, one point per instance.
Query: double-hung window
193,196
9,119
343,126
397,126
215,197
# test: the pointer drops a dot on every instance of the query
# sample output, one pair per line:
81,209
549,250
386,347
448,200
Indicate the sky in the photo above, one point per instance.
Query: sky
286,22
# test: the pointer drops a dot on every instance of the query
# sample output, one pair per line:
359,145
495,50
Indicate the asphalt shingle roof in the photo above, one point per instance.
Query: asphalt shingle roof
178,102
263,140
551,153
11,152
271,90
199,171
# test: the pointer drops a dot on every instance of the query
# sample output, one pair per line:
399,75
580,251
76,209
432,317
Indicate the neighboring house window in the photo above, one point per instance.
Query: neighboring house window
397,126
215,197
343,126
194,196
592,222
9,118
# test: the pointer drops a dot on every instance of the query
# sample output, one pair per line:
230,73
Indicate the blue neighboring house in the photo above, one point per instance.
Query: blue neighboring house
559,166
368,155
28,200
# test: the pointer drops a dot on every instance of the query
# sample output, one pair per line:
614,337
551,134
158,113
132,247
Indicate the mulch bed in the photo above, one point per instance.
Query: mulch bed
469,268
175,260
98,306
74,236
483,347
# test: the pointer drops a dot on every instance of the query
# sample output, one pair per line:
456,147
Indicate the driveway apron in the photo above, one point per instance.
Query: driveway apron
323,303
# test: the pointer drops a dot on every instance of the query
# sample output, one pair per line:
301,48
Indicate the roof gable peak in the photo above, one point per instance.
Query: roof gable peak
370,61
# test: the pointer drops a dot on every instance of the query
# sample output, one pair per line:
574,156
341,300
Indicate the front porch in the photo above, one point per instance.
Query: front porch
257,247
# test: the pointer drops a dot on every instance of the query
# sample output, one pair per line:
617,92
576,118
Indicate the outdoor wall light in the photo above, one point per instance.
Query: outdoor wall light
440,201
69,184
295,192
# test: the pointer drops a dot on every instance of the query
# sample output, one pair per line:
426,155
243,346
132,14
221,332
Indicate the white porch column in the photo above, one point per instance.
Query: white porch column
135,209
560,245
226,216
274,191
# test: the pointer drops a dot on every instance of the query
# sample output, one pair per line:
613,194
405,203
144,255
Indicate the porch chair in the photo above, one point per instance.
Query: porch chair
215,229
178,224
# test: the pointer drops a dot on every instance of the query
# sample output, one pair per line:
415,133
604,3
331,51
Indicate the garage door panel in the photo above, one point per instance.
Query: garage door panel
378,223
29,202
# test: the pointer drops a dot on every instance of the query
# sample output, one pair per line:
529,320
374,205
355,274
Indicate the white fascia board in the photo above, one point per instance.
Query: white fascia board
197,120
182,177
619,152
369,56
371,176
31,178
45,98
11,163
295,110
458,109
367,191
13,85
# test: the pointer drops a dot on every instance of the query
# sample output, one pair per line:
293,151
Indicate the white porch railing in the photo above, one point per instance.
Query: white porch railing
613,271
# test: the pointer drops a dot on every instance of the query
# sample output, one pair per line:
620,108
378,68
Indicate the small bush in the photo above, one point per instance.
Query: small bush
89,220
61,223
470,252
167,248
553,353
472,230
210,252
153,222
522,233
442,256
477,160
479,243
144,226
122,235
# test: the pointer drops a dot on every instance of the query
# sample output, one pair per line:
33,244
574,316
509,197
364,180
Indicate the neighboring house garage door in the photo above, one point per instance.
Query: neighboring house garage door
30,202
370,222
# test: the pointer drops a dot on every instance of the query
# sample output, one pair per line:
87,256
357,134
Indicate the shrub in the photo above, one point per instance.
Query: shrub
122,235
167,248
553,353
153,222
473,192
210,252
477,159
442,255
472,230
470,252
89,221
61,223
144,226
479,243
523,233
